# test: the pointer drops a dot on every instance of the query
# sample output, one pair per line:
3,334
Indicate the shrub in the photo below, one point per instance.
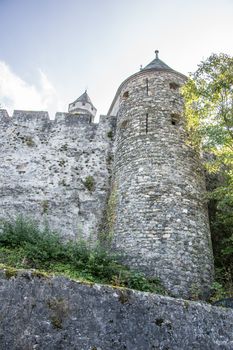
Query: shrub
110,134
89,183
39,245
23,243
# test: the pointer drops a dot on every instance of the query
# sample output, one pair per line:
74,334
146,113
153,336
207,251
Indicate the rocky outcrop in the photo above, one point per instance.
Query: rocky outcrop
43,313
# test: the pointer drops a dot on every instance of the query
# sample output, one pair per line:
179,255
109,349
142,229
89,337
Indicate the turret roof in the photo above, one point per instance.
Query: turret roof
157,64
84,98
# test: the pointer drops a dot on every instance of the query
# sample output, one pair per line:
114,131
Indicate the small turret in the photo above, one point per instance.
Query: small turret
83,105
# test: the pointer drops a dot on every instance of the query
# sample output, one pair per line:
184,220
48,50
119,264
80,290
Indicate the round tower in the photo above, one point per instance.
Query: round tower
160,220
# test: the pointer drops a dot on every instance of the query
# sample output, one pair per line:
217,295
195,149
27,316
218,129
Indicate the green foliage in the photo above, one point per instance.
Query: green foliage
110,134
59,311
89,183
218,291
208,97
39,245
45,206
24,244
140,282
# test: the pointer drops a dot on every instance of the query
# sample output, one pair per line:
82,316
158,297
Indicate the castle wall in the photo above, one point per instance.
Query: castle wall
161,220
44,167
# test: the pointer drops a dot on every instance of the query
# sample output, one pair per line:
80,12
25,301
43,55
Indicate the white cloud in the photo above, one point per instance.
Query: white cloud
15,93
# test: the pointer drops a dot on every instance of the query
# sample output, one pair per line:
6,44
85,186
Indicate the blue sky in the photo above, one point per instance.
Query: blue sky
51,50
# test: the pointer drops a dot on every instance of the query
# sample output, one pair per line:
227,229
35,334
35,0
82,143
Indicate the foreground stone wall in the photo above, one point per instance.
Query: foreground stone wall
51,314
161,219
44,167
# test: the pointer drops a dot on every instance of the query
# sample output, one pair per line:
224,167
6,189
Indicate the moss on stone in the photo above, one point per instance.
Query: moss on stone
59,310
124,296
56,322
39,274
10,272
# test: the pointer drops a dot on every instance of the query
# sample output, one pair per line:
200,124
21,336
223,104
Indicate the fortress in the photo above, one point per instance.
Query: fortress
132,176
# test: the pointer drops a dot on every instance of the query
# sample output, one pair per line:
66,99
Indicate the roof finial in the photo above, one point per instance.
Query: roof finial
157,54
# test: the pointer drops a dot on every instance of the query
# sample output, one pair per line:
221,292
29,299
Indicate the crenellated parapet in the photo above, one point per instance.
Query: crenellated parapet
40,120
30,116
4,117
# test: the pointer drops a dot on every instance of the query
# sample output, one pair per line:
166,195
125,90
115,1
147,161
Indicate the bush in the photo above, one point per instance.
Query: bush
23,243
110,134
39,245
89,183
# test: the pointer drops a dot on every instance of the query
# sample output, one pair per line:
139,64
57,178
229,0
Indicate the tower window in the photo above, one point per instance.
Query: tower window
83,103
146,123
147,87
174,86
175,118
126,94
124,124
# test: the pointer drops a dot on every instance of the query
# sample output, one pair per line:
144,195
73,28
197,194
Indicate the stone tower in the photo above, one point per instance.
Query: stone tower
83,105
160,218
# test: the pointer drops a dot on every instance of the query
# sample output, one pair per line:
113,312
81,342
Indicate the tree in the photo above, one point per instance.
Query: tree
208,97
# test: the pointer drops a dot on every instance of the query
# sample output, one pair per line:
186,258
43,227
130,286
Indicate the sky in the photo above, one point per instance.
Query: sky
52,50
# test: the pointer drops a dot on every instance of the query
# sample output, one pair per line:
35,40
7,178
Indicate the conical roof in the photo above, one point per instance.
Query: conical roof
84,98
157,64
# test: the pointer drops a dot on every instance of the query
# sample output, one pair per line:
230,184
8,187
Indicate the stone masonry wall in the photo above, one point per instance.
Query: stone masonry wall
58,314
161,220
44,166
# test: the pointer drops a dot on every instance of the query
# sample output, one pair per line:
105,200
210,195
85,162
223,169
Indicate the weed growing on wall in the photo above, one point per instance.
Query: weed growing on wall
89,183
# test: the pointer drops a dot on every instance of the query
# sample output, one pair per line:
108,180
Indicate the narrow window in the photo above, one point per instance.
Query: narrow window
147,87
126,94
175,118
124,124
174,86
146,123
90,120
83,103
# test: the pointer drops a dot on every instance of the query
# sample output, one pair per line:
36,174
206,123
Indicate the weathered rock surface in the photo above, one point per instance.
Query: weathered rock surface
56,313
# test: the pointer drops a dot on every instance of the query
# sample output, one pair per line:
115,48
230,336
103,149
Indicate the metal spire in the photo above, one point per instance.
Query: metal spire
157,54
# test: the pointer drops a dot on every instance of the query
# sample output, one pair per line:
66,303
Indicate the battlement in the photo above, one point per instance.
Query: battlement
30,116
4,116
40,120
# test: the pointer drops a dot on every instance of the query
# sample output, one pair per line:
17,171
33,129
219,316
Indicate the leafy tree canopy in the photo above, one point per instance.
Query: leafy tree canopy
208,96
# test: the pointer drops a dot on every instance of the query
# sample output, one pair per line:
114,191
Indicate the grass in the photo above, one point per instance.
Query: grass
24,244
